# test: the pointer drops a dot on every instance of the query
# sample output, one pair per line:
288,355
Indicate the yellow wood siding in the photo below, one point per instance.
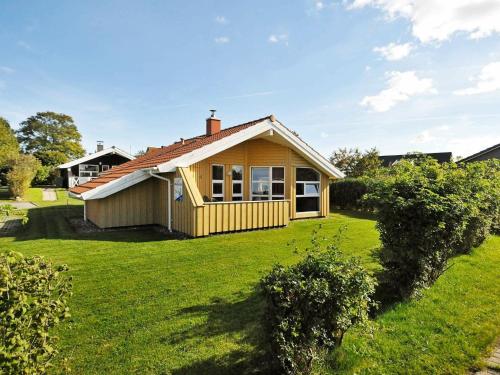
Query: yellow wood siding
254,153
133,206
146,202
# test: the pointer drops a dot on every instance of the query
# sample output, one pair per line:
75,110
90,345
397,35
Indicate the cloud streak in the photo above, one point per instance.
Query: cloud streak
393,51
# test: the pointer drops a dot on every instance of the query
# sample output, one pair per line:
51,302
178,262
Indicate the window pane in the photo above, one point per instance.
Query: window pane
278,198
307,174
260,174
237,173
260,188
236,188
237,198
260,198
312,189
307,204
217,199
299,189
278,188
217,172
279,174
217,188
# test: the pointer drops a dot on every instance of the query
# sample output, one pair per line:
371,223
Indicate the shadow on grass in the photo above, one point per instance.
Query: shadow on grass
52,222
240,321
355,214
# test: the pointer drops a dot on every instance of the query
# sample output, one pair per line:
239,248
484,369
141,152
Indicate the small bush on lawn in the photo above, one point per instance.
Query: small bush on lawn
426,213
312,304
23,171
33,299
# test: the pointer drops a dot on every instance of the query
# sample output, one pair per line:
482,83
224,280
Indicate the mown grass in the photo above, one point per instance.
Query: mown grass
143,304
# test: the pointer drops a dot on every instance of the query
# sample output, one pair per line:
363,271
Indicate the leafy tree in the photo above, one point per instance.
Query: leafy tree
33,300
51,137
23,170
8,143
355,163
310,306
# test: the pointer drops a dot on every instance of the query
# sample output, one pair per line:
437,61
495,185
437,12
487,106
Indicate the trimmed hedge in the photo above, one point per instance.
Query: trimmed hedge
348,193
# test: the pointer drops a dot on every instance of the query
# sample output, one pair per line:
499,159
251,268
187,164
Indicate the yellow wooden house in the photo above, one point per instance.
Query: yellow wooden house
255,175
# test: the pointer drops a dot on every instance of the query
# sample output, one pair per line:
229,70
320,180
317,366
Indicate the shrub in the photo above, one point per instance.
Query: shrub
347,193
427,213
23,171
33,300
311,305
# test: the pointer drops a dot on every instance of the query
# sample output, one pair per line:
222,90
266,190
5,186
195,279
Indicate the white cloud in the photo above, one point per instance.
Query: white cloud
438,20
6,69
324,135
401,86
277,38
319,5
221,40
487,81
221,19
394,51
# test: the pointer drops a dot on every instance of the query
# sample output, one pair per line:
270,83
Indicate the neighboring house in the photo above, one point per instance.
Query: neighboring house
82,170
492,152
441,157
254,175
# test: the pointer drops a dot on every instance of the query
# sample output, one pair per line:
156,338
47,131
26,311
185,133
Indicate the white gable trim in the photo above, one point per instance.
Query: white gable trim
214,148
211,149
109,150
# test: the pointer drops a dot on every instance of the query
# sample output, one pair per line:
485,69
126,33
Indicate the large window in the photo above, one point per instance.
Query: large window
268,183
237,179
218,183
88,170
307,189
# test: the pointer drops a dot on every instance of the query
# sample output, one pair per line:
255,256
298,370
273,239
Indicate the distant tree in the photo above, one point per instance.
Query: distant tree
355,163
140,153
8,143
51,137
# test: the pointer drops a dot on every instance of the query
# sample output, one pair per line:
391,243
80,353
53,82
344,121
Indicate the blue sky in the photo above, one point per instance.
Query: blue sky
399,75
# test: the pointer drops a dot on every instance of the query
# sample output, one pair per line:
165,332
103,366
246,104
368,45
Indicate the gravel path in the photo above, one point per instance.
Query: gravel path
49,194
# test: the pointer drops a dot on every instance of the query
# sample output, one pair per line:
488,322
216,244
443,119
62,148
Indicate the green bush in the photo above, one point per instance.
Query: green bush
347,193
33,300
311,305
426,213
23,171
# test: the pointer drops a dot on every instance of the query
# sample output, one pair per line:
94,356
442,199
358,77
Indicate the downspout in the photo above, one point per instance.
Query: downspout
169,210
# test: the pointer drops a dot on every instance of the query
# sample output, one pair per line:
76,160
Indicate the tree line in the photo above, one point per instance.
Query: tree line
33,152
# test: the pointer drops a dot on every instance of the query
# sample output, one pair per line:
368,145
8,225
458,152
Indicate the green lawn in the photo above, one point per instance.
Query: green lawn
143,304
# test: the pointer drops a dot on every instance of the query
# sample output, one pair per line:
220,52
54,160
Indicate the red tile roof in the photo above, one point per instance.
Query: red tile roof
156,156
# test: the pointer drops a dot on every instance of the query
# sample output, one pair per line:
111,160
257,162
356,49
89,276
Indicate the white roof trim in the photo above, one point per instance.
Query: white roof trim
109,150
207,151
115,186
211,149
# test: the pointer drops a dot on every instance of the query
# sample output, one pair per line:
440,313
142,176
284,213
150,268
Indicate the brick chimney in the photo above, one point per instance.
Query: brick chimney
213,124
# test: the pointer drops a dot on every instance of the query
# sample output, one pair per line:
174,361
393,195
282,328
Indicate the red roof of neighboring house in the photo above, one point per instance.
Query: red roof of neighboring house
156,156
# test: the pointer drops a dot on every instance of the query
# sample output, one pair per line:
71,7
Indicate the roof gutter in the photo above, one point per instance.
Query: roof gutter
169,201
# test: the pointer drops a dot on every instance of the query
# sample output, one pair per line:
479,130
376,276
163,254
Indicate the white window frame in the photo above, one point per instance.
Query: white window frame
83,173
218,195
305,195
237,182
107,168
270,195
